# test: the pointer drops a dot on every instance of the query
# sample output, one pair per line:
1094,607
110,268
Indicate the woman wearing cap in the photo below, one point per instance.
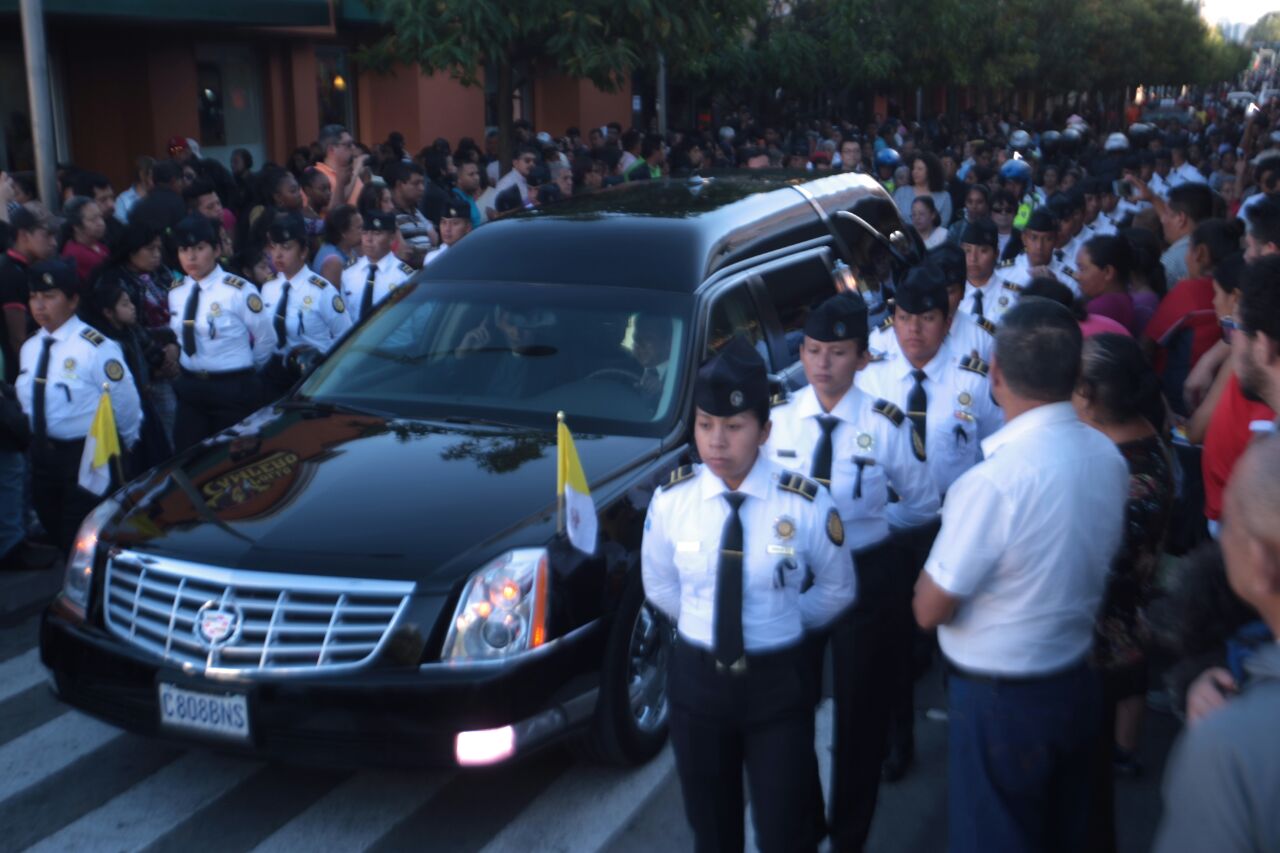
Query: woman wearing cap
726,548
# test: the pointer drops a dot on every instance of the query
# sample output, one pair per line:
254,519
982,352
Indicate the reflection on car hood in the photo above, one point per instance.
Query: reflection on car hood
337,494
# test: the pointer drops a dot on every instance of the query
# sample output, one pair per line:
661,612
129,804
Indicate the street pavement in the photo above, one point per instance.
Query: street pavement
71,783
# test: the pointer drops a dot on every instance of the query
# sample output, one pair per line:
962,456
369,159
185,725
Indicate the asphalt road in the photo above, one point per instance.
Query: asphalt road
69,783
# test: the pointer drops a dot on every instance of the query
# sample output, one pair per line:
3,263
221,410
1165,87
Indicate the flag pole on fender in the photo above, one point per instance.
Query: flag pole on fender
575,509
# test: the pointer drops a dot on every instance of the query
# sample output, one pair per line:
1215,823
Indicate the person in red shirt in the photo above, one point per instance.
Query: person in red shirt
82,234
1231,429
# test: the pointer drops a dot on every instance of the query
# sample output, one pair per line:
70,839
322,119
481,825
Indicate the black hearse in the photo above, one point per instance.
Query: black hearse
369,570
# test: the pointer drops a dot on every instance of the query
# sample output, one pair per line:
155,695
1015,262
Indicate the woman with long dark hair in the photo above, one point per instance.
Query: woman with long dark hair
341,243
926,179
1105,264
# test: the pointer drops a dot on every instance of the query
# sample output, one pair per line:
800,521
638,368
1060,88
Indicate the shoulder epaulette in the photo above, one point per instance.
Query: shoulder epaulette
234,280
877,356
177,281
93,336
799,484
1008,263
406,269
680,475
985,324
351,263
973,364
890,411
318,281
886,323
1016,288
778,399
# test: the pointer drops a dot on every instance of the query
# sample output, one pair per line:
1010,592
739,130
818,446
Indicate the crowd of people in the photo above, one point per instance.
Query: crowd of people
1032,420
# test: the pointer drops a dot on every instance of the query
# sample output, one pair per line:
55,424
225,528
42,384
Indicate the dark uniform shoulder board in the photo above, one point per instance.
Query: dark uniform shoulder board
777,399
318,281
886,323
406,269
680,475
114,370
351,263
973,364
835,527
93,336
234,280
890,411
177,281
1008,263
1016,288
799,484
986,325
877,356
254,302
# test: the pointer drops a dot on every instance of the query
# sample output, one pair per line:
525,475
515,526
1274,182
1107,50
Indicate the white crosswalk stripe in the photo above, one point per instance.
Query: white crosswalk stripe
20,673
45,750
144,813
355,814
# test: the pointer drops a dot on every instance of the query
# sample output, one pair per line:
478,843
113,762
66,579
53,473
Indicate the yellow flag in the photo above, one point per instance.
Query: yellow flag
578,510
100,446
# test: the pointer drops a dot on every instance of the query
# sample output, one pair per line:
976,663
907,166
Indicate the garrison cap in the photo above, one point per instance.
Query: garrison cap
53,274
1064,204
286,227
455,209
194,230
25,219
734,380
923,290
981,233
842,317
1042,219
950,259
376,220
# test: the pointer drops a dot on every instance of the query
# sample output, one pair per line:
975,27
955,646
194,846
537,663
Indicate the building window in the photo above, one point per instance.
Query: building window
229,95
521,99
335,86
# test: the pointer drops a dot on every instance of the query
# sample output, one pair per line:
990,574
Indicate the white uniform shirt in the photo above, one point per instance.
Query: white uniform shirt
435,253
877,442
233,332
967,334
999,294
1101,226
1160,186
783,534
316,313
1018,273
1185,174
1026,543
82,363
960,414
391,274
1064,265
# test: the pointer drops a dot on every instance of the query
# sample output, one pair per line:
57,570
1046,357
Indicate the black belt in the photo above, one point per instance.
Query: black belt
1012,679
61,443
774,658
214,374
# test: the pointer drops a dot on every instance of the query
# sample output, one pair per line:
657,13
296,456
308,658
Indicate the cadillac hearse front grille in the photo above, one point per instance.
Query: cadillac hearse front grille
249,622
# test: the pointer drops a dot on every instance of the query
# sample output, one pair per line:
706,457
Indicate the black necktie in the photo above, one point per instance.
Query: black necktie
366,301
37,390
917,411
189,320
821,470
977,302
728,615
281,333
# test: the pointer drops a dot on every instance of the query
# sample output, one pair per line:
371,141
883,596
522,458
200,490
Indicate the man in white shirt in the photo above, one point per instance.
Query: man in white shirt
1013,584
521,165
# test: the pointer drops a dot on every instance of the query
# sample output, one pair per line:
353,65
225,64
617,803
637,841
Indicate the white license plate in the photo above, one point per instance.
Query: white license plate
218,714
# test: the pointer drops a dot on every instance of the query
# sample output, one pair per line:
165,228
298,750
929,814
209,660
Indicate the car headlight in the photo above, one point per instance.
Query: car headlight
79,576
503,610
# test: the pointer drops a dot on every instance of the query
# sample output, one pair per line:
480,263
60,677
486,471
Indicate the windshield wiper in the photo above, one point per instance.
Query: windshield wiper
471,421
329,407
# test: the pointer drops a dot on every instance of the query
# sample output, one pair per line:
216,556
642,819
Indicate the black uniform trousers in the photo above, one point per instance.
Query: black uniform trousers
863,661
913,647
760,720
60,503
209,402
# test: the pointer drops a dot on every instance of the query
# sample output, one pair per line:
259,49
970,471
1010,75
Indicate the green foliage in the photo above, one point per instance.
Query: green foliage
1265,30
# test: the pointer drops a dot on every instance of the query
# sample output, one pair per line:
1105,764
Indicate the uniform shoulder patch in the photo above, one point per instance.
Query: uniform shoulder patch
985,324
799,484
886,323
973,364
682,474
338,304
890,411
93,336
1016,288
406,269
234,280
318,281
114,370
351,262
835,527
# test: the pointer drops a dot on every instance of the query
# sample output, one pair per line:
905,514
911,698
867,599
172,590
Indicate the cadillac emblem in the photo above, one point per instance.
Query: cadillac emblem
218,623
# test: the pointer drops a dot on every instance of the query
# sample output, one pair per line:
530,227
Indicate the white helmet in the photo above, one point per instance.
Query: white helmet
1117,142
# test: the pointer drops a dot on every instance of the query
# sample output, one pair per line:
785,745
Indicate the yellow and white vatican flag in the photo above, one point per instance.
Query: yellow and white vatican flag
577,511
101,445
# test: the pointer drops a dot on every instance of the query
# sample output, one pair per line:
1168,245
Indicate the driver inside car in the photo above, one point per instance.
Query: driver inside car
652,349
509,354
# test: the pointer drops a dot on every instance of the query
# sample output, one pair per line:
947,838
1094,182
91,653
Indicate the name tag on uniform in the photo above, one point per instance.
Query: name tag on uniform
781,549
688,547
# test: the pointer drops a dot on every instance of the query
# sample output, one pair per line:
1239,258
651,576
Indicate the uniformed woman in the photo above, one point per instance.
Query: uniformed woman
223,332
64,369
727,545
305,310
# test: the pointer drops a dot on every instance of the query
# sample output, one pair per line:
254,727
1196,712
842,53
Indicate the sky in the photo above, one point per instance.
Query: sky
1237,11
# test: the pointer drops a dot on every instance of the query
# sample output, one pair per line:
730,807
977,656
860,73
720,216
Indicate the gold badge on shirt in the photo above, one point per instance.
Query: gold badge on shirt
69,364
784,527
865,441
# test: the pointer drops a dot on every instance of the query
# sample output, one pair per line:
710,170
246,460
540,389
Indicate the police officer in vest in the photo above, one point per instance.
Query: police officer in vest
370,278
63,371
727,546
306,311
223,332
859,448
